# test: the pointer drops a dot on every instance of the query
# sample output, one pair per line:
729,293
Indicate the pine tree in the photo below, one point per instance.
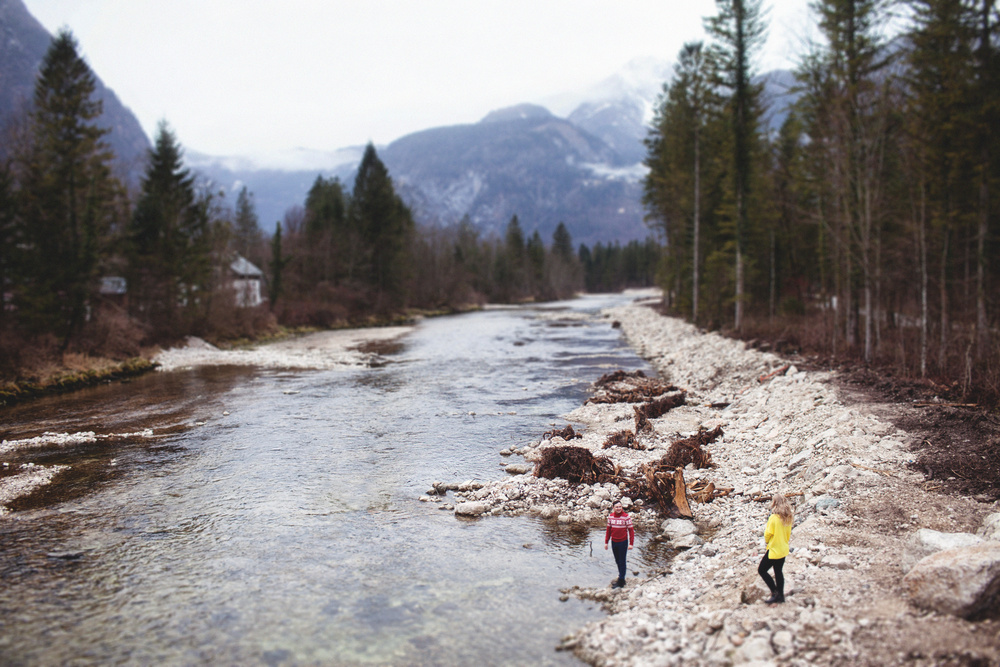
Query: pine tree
278,263
69,200
169,241
562,243
385,225
739,31
247,234
8,239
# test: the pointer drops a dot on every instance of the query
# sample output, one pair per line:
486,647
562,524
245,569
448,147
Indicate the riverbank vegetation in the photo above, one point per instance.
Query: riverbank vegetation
862,229
100,265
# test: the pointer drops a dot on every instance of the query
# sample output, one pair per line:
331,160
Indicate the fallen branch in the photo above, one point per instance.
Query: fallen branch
764,499
881,472
779,371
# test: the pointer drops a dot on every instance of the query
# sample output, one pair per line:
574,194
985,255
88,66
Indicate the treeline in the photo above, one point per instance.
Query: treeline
864,227
88,265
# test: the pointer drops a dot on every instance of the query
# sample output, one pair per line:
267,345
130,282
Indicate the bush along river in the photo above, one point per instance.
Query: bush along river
243,516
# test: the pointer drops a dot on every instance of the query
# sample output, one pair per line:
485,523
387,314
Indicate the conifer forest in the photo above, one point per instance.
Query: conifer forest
861,228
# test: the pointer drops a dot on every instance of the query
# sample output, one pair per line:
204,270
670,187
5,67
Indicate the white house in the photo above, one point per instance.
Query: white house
246,279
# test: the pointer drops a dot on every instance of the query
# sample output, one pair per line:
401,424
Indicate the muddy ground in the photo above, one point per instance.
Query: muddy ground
957,449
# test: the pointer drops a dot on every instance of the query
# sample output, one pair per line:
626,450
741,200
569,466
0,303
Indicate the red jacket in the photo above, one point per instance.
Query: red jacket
620,528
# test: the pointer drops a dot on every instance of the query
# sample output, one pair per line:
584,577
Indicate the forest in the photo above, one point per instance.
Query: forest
98,266
862,230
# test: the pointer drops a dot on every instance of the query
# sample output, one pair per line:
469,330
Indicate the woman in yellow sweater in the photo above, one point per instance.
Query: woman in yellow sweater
776,535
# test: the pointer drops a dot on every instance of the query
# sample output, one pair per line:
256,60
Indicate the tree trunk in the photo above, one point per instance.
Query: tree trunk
696,286
943,292
922,262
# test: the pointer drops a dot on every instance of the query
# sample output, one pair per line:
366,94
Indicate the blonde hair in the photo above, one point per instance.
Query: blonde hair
781,507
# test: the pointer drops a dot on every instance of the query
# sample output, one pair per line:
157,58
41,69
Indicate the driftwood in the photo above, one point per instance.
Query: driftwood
706,492
764,499
668,490
778,371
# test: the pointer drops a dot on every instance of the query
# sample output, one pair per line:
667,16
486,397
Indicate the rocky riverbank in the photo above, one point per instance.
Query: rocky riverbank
862,514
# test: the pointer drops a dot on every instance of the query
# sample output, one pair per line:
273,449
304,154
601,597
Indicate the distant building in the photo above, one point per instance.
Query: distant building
246,279
114,289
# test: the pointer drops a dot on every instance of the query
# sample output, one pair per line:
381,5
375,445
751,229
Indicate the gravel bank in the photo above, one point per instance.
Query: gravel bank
343,348
793,434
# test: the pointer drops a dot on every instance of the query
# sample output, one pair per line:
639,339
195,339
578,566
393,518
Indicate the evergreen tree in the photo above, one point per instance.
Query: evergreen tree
278,263
69,200
8,239
247,234
334,245
169,241
562,243
739,31
677,178
386,227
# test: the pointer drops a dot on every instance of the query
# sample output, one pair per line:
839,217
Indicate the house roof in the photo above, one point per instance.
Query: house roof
243,268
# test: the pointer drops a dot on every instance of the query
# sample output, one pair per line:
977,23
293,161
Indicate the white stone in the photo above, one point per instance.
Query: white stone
675,528
925,542
686,542
964,582
990,529
837,562
473,508
754,649
800,458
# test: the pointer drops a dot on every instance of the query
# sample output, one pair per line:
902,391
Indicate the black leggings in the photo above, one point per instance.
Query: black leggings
765,565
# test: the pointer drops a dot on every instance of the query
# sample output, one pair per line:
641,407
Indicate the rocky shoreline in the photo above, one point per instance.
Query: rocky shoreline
861,515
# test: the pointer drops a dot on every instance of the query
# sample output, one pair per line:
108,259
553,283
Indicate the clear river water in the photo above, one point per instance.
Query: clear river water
273,516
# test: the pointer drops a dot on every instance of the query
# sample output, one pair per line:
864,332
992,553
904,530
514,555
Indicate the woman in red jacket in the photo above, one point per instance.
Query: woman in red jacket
622,535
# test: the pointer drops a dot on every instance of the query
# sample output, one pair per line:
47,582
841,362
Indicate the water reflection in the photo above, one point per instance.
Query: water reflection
288,531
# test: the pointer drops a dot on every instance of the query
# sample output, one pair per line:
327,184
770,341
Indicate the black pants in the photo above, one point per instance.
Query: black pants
620,550
777,585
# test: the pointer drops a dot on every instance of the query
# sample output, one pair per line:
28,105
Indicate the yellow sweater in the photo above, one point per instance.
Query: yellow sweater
777,535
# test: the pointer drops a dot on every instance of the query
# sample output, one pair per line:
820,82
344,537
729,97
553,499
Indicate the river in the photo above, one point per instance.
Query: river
272,517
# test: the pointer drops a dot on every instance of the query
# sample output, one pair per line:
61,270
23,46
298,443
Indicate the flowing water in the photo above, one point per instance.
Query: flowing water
273,516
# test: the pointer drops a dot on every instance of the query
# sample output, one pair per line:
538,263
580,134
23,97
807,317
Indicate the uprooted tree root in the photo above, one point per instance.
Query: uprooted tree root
691,450
661,406
625,387
622,439
574,464
566,434
653,483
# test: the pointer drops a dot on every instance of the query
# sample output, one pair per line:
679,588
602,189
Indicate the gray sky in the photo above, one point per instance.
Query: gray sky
253,77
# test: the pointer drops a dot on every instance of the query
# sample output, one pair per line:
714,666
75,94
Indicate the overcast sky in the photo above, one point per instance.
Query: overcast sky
251,77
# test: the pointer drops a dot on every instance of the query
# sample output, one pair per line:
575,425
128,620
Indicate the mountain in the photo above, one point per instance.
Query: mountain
23,43
581,165
521,160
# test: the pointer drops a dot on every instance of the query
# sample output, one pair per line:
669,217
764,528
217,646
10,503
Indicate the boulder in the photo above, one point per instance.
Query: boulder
519,468
473,508
686,541
837,562
677,528
963,582
925,542
990,529
827,503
